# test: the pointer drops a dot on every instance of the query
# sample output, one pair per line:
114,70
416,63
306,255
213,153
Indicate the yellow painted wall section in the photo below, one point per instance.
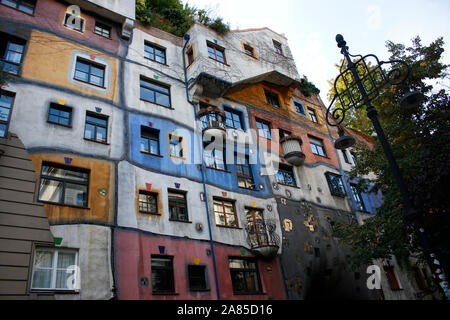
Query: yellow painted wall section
101,177
49,59
254,95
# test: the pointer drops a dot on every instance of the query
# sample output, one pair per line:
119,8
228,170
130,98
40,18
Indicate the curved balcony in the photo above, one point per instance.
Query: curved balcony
213,121
292,150
263,239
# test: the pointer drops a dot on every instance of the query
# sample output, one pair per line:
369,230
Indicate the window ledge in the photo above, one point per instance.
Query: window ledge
64,205
150,213
100,35
288,185
55,291
91,84
101,142
160,105
249,293
224,63
163,64
60,124
177,220
199,290
30,14
222,170
165,293
228,227
152,154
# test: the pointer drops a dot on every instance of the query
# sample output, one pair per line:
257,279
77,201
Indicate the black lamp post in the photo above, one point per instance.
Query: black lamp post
363,77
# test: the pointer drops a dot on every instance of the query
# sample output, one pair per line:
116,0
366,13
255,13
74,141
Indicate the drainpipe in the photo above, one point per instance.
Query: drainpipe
187,37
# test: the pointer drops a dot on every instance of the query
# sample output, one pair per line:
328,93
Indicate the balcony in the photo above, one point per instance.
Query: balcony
263,239
213,121
292,150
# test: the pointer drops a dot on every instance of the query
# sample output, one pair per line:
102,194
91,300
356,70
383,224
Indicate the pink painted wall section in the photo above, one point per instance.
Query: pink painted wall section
133,252
49,14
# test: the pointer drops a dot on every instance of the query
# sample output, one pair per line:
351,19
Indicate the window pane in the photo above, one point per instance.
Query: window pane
2,130
50,190
145,145
64,173
61,278
82,66
96,80
89,131
154,146
13,56
65,259
42,278
76,194
162,99
4,114
101,134
43,259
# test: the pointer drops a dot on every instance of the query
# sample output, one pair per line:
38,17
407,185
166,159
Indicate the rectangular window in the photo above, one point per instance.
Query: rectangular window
148,202
197,277
284,133
277,47
175,146
312,115
214,158
149,140
317,146
154,52
6,103
285,175
216,53
256,227
64,185
357,198
96,127
244,172
162,274
244,276
154,92
345,155
26,6
59,114
263,129
248,50
89,72
272,98
233,119
74,22
225,213
102,29
177,205
299,108
190,56
11,53
52,269
392,278
335,184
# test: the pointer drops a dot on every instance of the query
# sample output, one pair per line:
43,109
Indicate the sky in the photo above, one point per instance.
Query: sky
311,27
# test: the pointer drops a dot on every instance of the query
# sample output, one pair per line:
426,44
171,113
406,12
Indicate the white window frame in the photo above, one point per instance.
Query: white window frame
54,268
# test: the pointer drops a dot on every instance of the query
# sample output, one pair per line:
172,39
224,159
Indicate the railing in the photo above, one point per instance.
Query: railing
262,237
212,118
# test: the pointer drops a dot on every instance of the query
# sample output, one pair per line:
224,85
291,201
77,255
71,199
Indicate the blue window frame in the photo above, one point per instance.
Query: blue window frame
89,72
59,114
96,127
154,92
299,108
149,140
263,129
155,52
233,118
11,53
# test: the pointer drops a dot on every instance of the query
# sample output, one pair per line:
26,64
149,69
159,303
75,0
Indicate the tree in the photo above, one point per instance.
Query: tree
420,140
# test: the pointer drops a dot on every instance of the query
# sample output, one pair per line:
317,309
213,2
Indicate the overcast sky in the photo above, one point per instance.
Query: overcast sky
311,27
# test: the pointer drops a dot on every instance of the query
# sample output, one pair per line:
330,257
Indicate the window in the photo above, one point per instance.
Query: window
244,276
312,115
249,50
190,56
285,175
154,52
344,154
59,114
149,140
392,278
177,205
317,146
357,198
26,6
102,29
256,227
154,92
263,129
335,184
244,172
298,106
64,185
52,269
284,133
233,119
11,53
96,127
148,202
162,274
73,22
214,158
225,213
6,102
89,72
216,53
197,277
277,47
272,98
175,146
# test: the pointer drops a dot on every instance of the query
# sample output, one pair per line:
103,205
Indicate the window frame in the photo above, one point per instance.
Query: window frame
302,107
216,48
64,181
224,213
90,64
245,272
6,123
170,269
155,91
271,97
277,46
267,134
177,202
102,26
250,49
232,112
357,197
18,3
345,156
96,126
8,40
330,176
286,170
217,165
180,144
204,278
316,143
60,107
150,134
154,47
54,268
148,193
190,56
240,173
67,26
312,115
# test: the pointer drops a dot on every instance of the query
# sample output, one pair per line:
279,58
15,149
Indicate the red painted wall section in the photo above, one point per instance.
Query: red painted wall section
133,252
49,14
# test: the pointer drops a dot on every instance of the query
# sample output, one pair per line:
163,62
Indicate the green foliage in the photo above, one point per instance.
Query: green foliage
173,17
307,88
420,140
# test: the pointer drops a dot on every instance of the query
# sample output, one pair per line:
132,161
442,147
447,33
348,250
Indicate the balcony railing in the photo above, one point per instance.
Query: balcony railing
212,119
292,150
262,237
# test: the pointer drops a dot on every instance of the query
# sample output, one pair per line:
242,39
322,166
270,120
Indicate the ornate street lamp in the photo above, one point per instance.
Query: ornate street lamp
363,77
